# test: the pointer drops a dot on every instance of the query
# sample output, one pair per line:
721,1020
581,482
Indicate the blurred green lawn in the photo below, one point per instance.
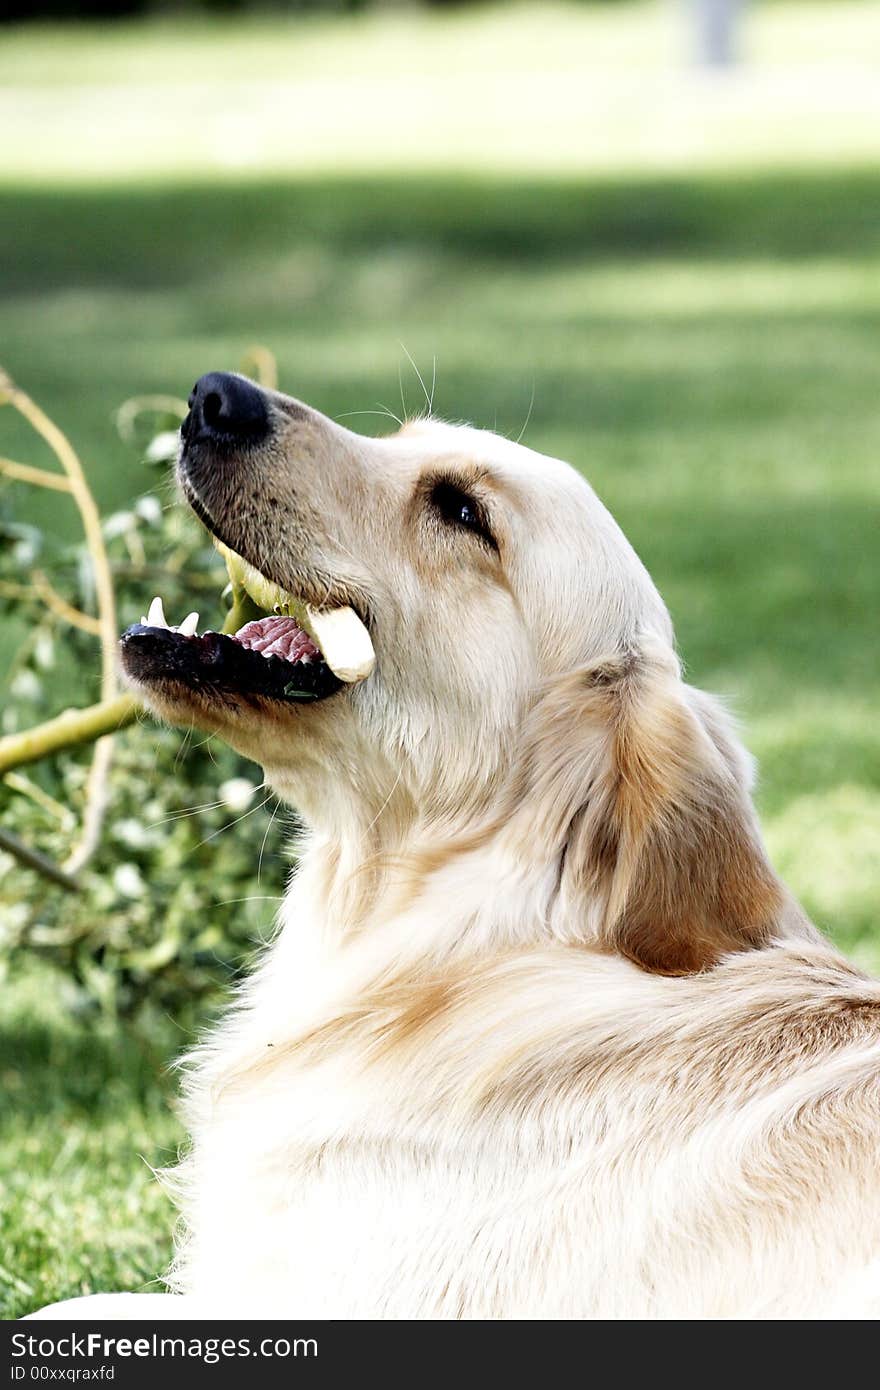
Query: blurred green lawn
698,334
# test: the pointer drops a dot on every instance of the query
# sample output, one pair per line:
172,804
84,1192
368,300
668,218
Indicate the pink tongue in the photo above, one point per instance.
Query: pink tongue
277,636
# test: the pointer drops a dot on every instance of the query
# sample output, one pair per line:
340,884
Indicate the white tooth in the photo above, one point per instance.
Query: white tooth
344,642
156,614
339,633
189,625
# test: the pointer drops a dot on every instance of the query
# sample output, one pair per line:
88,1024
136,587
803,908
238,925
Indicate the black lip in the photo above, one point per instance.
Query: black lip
196,505
195,502
193,498
214,663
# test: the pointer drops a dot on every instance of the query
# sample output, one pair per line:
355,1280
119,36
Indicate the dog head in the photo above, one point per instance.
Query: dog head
524,665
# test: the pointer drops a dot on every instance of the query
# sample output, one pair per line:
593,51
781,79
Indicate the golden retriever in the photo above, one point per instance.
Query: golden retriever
542,1034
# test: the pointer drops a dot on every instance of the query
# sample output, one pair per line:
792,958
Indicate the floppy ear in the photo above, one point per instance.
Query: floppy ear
644,792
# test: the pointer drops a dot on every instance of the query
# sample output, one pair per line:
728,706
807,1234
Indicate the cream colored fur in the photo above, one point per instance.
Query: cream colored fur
541,1034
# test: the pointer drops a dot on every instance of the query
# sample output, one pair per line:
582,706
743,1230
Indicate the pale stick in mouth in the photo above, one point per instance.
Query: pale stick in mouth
338,633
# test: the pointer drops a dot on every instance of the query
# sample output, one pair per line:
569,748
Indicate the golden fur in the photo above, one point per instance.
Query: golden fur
542,1034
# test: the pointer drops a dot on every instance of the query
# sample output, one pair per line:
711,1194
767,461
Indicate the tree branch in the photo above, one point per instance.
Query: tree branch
40,477
96,804
73,727
91,520
82,496
52,599
261,362
17,782
129,411
32,859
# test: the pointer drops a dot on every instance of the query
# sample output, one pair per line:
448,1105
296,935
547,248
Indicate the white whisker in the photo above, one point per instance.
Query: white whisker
252,898
384,805
391,415
182,815
384,413
528,416
428,399
229,826
265,838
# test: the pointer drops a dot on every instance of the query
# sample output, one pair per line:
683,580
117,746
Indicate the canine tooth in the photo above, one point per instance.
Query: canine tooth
343,640
189,625
156,614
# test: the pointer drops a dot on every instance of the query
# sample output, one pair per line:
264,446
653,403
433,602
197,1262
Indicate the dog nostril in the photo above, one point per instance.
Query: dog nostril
226,406
212,408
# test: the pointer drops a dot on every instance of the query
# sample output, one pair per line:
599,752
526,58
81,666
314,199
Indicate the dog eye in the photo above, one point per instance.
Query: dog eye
459,509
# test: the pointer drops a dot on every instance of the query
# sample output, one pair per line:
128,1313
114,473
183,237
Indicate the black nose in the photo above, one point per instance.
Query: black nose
223,405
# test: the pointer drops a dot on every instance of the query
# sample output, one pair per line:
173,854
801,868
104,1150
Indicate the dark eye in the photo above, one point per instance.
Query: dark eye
459,509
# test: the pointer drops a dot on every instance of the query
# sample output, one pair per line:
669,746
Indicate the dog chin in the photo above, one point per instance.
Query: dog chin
242,720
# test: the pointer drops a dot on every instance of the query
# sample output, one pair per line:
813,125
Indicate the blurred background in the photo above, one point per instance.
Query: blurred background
647,234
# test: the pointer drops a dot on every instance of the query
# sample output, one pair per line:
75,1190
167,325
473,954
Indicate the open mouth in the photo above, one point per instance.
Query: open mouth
273,645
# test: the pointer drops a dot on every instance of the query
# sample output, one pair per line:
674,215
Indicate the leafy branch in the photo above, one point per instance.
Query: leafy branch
115,710
125,927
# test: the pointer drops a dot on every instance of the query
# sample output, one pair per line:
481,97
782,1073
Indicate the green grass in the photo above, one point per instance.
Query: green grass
702,341
86,1119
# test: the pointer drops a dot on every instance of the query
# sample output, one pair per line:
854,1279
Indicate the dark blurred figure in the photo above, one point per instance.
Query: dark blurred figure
121,9
716,24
